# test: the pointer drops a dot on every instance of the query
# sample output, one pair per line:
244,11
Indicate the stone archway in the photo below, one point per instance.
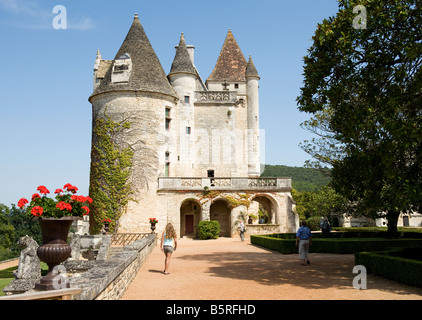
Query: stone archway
220,211
267,206
190,213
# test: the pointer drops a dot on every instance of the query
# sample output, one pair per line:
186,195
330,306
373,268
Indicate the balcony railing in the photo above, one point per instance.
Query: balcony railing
215,97
229,184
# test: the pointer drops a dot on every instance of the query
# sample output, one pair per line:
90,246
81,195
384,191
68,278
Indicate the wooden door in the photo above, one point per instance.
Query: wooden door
189,224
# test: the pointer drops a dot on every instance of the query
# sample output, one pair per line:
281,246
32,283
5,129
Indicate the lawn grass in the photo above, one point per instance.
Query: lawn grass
6,276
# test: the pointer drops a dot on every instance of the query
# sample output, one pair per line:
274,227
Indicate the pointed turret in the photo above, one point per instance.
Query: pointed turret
252,90
182,61
231,64
251,70
137,60
183,75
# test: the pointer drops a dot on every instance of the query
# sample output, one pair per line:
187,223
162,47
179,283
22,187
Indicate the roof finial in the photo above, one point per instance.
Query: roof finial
136,16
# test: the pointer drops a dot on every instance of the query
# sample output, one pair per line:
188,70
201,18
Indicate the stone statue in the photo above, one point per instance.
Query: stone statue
75,244
29,263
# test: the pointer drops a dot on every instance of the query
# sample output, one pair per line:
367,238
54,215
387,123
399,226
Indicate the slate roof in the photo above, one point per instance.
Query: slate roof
182,62
231,64
147,71
250,69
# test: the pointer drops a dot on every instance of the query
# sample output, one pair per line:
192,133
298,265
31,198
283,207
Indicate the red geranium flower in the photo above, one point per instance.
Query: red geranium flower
37,211
64,206
66,203
22,202
70,188
35,196
43,190
86,210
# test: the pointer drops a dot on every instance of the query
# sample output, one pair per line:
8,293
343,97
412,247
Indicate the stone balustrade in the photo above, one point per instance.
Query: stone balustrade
227,184
215,97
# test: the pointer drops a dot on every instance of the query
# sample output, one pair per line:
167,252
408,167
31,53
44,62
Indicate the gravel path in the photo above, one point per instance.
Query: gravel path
227,269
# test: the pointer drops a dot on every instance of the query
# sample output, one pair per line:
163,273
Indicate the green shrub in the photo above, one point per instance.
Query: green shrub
7,273
208,230
285,243
391,265
313,223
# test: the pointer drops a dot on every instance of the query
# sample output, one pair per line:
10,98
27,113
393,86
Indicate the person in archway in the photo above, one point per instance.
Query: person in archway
304,241
168,245
242,230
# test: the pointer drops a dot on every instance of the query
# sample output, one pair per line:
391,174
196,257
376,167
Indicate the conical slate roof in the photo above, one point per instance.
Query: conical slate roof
231,64
147,72
182,62
250,69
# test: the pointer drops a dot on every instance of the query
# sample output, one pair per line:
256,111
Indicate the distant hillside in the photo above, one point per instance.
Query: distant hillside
303,179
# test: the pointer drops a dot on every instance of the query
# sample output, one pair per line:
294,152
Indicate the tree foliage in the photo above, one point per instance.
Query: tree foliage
14,224
303,179
325,202
363,88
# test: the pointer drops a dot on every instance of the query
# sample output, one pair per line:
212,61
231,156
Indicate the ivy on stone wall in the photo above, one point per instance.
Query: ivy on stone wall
240,200
111,165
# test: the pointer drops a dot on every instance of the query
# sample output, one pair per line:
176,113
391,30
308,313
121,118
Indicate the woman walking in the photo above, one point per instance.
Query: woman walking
168,245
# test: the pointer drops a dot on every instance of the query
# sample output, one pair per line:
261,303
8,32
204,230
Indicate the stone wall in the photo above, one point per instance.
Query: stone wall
109,279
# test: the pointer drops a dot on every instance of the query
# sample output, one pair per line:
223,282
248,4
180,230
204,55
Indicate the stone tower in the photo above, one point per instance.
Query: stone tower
134,87
189,137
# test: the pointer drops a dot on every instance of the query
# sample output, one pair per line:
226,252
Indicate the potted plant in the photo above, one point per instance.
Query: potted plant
106,225
153,222
263,216
252,218
55,217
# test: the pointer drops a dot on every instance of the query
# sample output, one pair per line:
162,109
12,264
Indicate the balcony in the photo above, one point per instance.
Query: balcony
215,97
225,184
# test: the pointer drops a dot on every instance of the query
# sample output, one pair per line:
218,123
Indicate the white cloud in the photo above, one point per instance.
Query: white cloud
82,24
28,14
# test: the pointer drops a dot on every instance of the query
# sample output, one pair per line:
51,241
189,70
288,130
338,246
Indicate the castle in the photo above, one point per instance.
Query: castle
196,145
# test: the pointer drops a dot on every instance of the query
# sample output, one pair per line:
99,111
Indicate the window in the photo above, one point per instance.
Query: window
168,119
167,173
167,167
211,174
188,130
187,99
236,86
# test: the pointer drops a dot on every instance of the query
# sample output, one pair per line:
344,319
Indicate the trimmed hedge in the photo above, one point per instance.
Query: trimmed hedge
285,243
394,264
7,273
208,230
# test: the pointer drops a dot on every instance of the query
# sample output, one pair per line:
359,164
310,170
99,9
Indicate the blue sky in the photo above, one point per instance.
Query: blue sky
45,130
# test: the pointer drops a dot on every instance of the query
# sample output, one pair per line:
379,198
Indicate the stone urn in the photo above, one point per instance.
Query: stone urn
153,227
54,250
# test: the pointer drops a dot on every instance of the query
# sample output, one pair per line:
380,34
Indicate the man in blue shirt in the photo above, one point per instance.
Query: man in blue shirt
304,241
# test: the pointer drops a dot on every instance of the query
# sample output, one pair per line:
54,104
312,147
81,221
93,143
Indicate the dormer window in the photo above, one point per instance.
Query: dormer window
122,69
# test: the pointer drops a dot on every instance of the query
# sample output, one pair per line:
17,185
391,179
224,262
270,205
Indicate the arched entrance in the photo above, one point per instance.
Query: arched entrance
220,211
190,213
265,210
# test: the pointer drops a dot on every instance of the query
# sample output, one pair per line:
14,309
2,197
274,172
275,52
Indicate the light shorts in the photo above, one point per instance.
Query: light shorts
168,249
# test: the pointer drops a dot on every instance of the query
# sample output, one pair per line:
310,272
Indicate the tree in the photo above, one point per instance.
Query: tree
6,233
363,86
325,202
